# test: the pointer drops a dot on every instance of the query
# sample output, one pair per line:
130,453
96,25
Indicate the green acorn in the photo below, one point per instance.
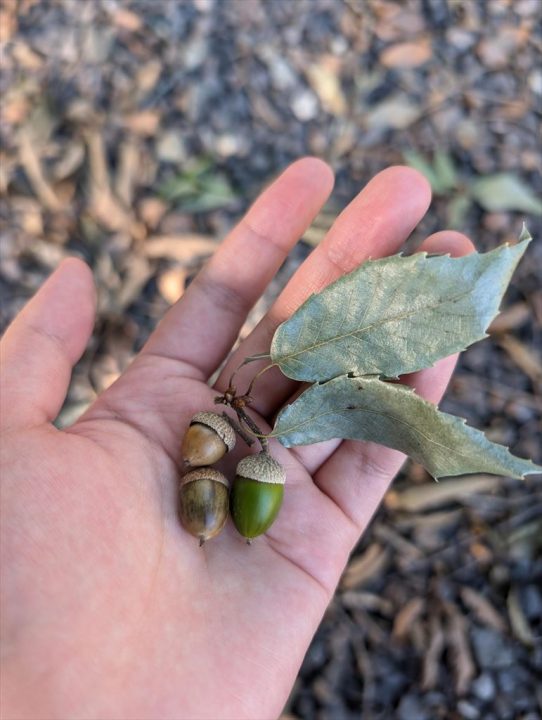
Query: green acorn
208,438
204,502
257,494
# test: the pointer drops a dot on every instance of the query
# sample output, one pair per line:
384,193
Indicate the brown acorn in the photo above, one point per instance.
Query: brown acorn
257,493
208,438
204,502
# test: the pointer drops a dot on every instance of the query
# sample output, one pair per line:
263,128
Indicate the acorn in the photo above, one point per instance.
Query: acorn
256,494
204,502
208,438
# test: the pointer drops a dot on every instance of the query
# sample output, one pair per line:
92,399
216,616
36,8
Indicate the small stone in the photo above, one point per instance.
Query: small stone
492,650
483,687
170,147
468,710
411,708
535,81
228,145
532,602
305,106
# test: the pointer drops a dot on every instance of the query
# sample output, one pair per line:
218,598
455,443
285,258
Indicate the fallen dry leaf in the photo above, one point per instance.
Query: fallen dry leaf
518,621
414,499
482,609
183,248
151,210
325,81
460,652
510,319
144,123
431,659
406,616
523,357
407,54
363,568
34,172
171,284
127,20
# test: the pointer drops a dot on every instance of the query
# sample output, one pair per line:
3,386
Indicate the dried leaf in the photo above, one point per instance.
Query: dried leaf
34,172
171,284
407,54
183,248
144,123
415,499
518,621
397,112
482,608
505,191
458,642
414,609
364,408
512,318
395,315
127,20
364,567
431,660
523,357
325,81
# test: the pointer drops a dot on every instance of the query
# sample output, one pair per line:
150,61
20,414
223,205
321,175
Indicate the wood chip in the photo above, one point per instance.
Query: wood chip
482,609
182,248
407,54
365,567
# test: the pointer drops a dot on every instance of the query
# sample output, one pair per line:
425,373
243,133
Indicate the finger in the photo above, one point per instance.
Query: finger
375,223
201,328
357,474
41,346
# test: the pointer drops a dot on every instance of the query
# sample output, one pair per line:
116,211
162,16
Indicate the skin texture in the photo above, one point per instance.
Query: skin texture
109,607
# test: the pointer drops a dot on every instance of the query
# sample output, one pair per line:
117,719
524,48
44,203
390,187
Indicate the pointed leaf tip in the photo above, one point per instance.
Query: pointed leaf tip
395,315
361,408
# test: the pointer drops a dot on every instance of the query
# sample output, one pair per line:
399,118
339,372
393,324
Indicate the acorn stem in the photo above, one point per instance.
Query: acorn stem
240,430
249,422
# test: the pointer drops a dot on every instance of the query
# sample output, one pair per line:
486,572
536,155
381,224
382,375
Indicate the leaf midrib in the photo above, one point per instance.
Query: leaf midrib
314,418
336,338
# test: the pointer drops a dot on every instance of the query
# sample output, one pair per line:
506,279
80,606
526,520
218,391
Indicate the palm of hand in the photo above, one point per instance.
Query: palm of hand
109,608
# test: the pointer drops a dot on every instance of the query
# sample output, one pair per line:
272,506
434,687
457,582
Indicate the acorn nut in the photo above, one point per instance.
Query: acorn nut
257,494
208,438
204,502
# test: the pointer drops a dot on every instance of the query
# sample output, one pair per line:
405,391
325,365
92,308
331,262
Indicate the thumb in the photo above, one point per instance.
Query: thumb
43,343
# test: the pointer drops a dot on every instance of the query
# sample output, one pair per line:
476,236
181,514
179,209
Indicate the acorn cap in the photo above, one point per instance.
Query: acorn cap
205,473
263,468
219,424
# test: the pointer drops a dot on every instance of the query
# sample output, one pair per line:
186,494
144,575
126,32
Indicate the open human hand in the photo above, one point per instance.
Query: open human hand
109,608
